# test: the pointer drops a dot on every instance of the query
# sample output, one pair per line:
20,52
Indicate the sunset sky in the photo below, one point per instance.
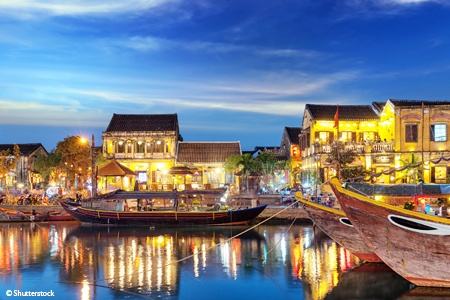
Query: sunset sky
231,70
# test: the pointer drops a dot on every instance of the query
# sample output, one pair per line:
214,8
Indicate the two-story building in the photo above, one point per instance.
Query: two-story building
152,147
144,143
419,130
24,176
386,136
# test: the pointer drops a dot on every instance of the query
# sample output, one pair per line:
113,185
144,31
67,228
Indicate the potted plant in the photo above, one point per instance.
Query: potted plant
196,204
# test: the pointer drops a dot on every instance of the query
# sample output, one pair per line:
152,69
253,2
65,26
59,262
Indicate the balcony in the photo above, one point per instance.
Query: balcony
383,147
360,148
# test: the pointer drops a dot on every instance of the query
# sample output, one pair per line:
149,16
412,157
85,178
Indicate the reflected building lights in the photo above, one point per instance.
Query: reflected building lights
196,260
150,264
85,290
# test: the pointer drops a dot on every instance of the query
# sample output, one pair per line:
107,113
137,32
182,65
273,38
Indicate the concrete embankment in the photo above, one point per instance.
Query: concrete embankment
36,208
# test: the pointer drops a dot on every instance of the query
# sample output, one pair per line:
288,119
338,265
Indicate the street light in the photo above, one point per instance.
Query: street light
93,171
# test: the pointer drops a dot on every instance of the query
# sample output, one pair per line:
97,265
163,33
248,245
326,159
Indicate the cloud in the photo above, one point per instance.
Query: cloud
39,8
143,44
37,114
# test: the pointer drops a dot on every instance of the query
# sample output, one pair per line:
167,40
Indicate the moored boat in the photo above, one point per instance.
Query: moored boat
112,210
413,244
336,225
10,215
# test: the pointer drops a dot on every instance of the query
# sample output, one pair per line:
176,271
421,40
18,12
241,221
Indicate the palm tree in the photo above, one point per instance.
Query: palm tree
266,163
247,165
413,170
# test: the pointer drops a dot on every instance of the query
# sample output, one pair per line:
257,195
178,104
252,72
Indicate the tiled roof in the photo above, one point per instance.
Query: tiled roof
276,151
113,168
378,106
399,102
206,152
25,149
163,122
346,112
293,133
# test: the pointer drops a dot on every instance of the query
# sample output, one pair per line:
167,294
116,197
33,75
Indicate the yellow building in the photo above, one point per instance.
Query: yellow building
420,132
152,147
386,136
145,144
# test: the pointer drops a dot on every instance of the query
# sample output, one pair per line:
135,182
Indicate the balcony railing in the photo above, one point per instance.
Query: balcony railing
360,148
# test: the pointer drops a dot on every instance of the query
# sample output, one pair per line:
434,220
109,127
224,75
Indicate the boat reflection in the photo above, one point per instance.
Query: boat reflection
319,261
426,293
116,262
147,261
370,281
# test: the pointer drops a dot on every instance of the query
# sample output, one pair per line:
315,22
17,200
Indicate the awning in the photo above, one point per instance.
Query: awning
180,170
113,168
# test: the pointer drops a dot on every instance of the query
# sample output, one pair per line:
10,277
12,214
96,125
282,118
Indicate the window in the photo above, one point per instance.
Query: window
411,133
121,147
368,136
109,147
140,147
438,132
148,146
348,136
159,147
129,147
323,137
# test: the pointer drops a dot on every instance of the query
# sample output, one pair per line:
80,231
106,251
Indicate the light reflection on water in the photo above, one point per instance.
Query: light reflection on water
114,263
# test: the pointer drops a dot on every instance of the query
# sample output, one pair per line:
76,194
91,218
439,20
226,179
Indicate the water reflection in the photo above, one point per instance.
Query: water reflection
369,281
110,263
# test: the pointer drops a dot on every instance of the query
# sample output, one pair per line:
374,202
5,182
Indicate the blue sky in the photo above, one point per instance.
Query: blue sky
231,70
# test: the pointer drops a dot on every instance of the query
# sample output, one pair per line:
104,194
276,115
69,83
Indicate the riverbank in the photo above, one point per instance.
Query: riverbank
276,213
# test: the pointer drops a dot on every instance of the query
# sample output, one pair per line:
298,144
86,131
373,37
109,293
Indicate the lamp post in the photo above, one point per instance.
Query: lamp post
93,171
317,157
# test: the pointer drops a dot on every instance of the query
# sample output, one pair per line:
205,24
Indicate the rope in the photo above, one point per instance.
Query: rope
95,281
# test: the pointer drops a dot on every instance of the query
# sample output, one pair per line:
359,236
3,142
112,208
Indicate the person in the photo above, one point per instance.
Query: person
440,209
442,212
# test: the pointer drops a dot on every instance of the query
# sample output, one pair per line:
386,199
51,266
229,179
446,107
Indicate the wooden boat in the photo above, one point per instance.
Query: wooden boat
108,212
10,215
57,216
336,225
413,244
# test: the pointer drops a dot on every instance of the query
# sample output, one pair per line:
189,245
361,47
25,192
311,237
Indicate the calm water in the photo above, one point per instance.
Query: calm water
269,262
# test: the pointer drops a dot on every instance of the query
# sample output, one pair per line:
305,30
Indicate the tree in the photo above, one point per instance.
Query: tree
8,162
49,166
266,164
344,159
75,155
245,163
413,171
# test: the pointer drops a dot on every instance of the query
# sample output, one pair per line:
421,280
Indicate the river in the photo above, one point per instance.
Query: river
66,261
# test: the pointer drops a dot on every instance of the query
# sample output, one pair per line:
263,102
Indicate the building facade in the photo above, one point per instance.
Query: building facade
206,160
151,146
146,144
387,138
24,176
